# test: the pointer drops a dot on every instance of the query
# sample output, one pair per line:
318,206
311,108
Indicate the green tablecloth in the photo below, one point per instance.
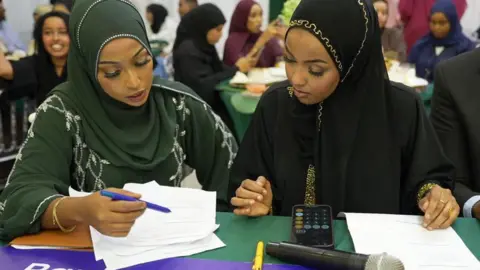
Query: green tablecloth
239,107
241,235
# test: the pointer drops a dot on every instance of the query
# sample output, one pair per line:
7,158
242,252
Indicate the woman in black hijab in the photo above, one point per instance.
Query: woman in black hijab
339,132
156,15
195,59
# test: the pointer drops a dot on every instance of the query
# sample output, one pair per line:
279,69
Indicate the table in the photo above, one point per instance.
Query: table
241,234
239,108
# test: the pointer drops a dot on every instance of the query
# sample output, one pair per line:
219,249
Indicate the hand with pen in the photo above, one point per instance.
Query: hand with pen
253,198
111,217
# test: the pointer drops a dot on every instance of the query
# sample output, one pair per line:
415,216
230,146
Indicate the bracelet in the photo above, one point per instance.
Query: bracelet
424,190
56,222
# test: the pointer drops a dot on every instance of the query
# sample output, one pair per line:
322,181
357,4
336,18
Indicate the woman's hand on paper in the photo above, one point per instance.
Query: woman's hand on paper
253,198
111,218
440,207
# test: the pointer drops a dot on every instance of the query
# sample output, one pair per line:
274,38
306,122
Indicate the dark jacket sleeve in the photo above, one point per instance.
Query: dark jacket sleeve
423,160
24,81
211,149
255,156
450,131
194,71
40,174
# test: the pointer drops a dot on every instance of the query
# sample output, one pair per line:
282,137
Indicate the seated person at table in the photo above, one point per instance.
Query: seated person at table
338,132
162,28
34,76
392,38
455,117
185,6
110,124
195,59
444,41
246,38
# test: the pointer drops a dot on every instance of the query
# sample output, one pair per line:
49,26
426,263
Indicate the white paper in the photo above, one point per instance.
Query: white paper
36,247
187,230
260,76
405,238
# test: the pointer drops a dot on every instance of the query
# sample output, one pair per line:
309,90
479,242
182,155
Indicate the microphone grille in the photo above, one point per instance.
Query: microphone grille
383,262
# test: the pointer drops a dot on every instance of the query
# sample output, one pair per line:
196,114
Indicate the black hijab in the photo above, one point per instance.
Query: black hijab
195,26
159,13
47,77
350,32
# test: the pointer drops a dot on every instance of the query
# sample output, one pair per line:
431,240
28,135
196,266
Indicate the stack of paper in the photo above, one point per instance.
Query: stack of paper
260,76
405,238
187,230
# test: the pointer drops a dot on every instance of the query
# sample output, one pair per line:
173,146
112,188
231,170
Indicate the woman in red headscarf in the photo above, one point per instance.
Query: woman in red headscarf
246,38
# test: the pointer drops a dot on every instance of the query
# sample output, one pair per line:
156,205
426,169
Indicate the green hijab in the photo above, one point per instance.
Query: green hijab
134,137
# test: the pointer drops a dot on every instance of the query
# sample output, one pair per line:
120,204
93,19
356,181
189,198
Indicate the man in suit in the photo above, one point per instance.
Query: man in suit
455,116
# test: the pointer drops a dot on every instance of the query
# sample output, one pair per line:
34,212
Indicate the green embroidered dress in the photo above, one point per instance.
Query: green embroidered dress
83,138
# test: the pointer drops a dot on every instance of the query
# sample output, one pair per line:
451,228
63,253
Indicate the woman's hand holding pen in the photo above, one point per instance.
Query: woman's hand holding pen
112,218
253,198
440,208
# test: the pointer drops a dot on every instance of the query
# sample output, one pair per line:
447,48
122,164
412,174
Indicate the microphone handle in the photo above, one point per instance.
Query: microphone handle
316,258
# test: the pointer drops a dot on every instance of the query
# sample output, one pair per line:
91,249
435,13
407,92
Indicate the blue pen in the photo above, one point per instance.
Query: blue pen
120,197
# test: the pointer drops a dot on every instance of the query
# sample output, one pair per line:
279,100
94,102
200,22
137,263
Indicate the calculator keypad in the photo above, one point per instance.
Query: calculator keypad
312,226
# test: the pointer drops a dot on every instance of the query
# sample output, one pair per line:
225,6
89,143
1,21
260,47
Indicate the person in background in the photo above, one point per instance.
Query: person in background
40,10
246,38
338,132
394,19
161,35
63,6
415,15
111,123
455,117
195,58
392,38
162,28
185,6
34,76
445,40
8,36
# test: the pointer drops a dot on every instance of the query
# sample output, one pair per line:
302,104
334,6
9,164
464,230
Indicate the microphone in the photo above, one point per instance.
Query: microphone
331,259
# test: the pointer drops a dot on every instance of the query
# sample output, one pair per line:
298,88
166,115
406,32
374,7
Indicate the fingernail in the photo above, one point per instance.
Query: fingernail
252,202
264,192
259,197
430,228
259,183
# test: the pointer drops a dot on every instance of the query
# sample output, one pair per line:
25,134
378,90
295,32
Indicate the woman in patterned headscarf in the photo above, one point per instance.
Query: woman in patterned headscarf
110,124
338,132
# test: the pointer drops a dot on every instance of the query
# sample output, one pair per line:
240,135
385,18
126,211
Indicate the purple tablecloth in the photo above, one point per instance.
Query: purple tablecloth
13,259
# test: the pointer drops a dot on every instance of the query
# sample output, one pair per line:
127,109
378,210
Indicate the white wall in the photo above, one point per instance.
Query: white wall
19,13
471,18
227,7
20,16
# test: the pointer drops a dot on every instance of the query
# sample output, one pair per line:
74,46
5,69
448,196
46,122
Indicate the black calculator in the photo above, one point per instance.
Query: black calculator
312,225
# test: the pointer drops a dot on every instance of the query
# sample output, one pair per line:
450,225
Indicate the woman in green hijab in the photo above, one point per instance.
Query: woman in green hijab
110,124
